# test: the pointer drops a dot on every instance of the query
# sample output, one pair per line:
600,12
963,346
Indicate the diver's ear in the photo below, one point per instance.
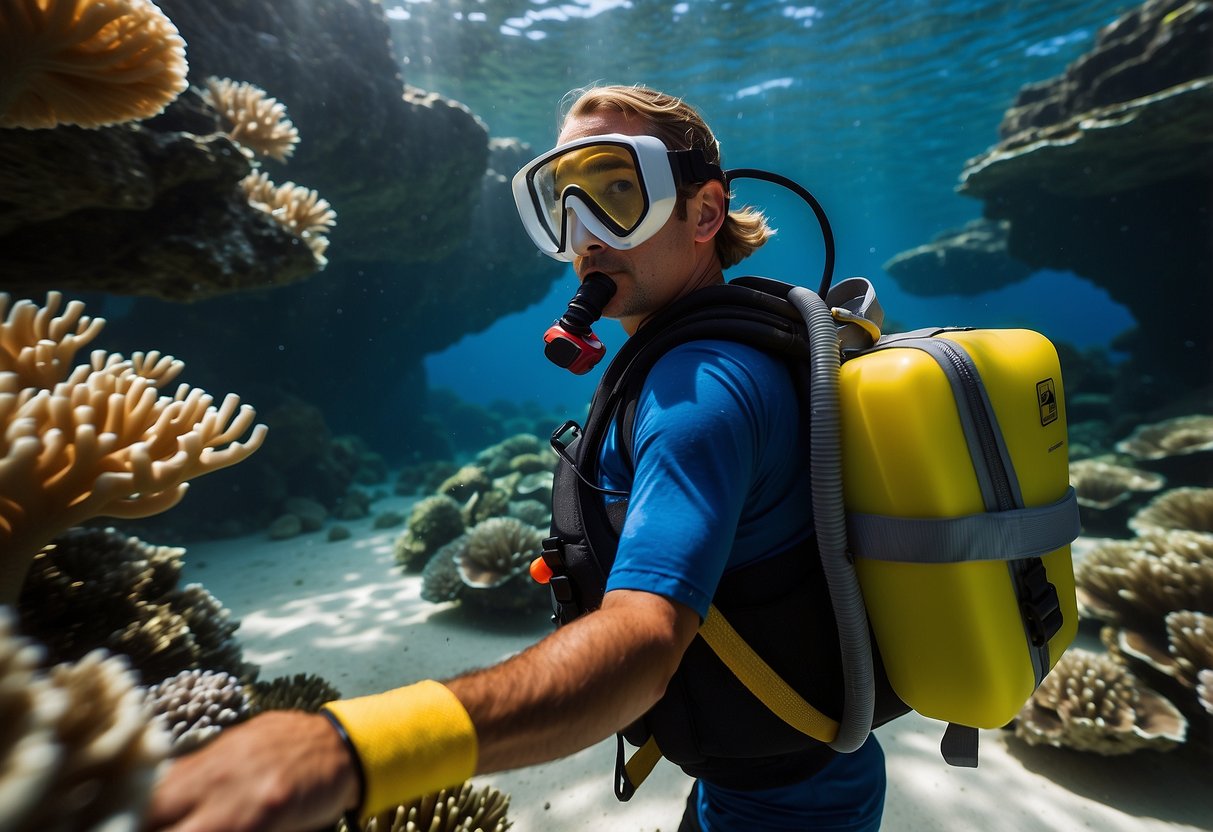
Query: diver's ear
713,209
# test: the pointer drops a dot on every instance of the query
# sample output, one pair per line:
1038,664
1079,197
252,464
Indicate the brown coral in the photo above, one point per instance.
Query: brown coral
86,62
1189,509
301,692
1101,484
464,810
100,440
297,209
1090,703
1171,437
1135,583
79,746
254,119
98,588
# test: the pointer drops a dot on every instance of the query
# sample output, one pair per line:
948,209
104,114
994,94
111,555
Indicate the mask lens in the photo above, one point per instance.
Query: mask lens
605,176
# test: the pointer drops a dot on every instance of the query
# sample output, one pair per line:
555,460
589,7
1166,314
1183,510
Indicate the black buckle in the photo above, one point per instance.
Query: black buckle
1039,604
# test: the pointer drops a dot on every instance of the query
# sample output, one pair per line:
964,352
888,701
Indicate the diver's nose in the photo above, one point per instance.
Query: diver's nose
581,241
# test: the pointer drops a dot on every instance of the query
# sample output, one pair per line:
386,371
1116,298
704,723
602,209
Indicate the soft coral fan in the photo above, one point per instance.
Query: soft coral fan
100,440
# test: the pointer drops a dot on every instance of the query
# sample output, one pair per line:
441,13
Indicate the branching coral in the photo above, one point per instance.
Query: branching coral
100,440
78,748
1090,703
195,705
255,120
86,62
464,810
297,209
1189,509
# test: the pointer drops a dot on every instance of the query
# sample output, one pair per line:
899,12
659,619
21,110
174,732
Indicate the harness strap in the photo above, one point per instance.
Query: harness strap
763,681
758,677
629,775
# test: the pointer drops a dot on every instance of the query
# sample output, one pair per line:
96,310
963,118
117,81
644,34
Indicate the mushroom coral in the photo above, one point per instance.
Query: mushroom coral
99,440
1091,703
86,62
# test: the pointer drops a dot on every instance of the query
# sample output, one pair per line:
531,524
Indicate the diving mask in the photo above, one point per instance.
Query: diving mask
622,189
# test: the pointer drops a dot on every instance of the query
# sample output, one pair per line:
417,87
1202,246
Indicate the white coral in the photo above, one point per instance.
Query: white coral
297,209
101,442
256,121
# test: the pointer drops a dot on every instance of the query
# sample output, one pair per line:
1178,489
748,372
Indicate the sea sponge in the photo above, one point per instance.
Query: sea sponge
79,747
255,120
465,809
1090,703
433,522
299,210
86,62
100,440
1189,509
195,705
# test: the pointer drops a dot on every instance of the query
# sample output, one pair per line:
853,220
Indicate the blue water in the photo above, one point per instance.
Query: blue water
874,106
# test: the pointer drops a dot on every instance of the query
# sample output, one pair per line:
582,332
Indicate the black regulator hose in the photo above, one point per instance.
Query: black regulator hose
569,342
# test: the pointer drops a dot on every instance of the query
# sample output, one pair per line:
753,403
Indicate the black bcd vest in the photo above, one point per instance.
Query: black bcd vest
708,722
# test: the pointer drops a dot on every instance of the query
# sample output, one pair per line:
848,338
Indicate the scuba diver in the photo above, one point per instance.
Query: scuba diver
706,485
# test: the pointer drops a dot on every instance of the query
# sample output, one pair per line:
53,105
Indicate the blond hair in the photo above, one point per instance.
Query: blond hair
681,127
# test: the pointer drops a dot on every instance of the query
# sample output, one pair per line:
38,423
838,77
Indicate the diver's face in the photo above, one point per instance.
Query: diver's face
679,258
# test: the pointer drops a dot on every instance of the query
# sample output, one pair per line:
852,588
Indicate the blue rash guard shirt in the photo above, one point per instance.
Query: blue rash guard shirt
720,482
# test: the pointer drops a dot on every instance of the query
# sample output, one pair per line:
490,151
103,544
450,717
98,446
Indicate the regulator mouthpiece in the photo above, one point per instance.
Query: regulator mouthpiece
569,342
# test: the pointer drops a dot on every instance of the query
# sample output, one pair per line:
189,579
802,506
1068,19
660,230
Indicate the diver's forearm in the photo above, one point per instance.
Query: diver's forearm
579,685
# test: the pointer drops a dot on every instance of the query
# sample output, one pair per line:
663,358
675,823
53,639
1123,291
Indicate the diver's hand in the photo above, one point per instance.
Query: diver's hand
283,771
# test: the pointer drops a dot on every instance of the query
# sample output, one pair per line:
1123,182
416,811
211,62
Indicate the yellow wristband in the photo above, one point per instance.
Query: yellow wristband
411,741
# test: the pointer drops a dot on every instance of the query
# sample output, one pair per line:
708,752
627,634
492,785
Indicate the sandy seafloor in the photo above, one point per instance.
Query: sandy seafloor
344,611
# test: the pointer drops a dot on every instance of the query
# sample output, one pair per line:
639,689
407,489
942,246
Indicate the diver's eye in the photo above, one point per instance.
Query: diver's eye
619,187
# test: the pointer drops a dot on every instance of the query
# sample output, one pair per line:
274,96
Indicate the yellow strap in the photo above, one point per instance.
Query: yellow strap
764,682
640,764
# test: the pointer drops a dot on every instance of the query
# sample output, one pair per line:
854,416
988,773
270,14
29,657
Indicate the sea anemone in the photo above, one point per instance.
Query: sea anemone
301,692
494,565
465,809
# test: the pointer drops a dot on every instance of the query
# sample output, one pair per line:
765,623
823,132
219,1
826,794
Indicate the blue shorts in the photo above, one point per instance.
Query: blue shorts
845,796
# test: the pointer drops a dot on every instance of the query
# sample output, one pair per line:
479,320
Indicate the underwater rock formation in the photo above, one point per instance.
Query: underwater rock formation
79,745
1090,703
1107,171
947,265
99,439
